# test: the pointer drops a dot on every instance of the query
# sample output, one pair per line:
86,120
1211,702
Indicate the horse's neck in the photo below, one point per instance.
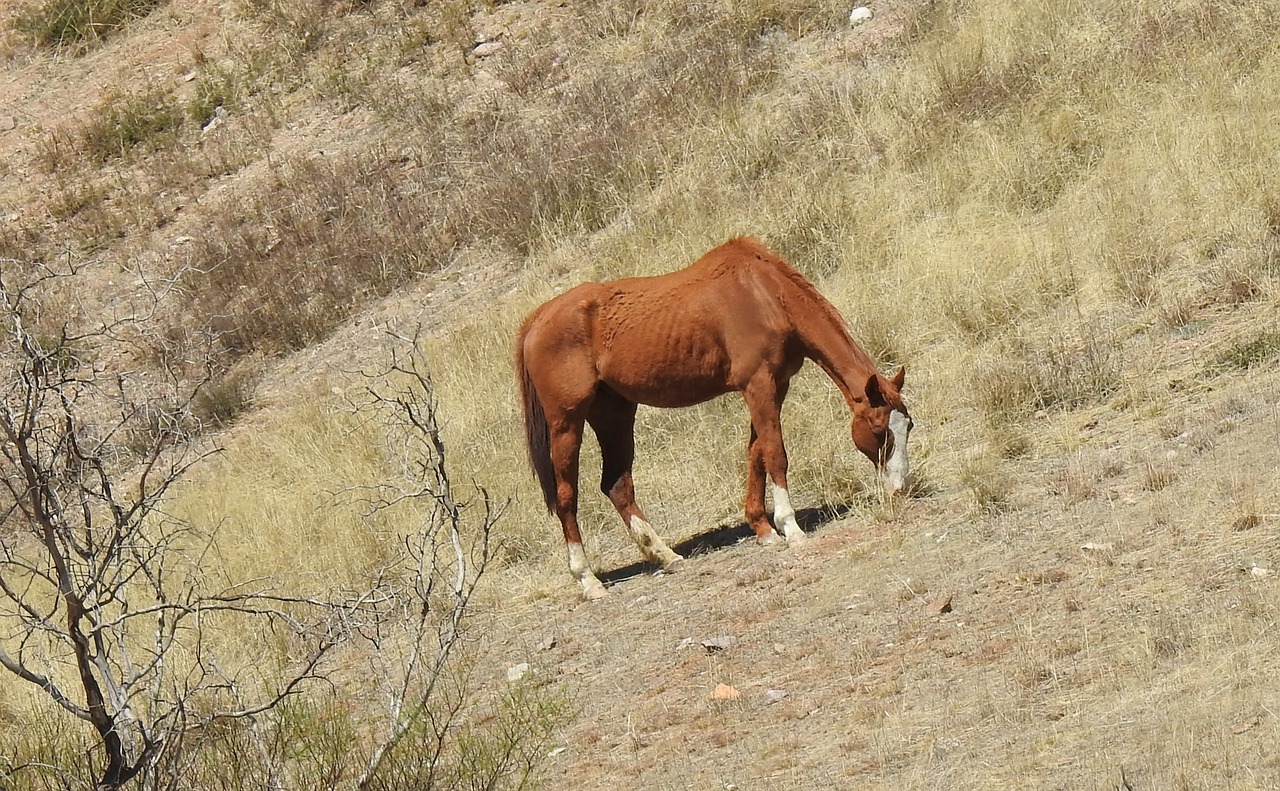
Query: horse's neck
829,344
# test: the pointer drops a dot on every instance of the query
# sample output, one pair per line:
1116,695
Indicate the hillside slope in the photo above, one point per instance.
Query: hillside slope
1063,219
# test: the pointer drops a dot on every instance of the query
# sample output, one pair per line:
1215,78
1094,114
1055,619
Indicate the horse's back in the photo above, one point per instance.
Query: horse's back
673,339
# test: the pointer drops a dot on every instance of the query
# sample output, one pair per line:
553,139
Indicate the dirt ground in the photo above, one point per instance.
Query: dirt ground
1058,645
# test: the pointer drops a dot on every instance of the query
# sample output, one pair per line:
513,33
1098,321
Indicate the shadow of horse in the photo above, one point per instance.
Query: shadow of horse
724,536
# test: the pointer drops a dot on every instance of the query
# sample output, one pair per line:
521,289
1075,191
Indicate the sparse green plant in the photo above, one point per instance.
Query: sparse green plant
1248,353
76,196
299,26
127,120
60,23
503,751
216,87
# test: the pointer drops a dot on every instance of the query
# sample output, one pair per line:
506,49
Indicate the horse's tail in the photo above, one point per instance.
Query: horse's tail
536,433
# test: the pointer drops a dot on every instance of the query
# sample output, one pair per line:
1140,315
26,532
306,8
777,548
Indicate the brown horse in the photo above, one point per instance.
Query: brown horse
739,319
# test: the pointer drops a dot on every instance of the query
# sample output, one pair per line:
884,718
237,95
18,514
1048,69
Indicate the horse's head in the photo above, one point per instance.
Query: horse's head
881,425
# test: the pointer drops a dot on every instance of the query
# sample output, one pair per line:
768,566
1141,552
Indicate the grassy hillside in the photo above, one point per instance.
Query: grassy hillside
1062,217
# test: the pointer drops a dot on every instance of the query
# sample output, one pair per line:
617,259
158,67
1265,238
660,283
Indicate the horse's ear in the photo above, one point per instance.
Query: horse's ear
875,396
899,377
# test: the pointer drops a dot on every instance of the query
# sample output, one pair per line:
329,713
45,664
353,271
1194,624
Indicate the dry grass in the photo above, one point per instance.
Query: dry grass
1063,219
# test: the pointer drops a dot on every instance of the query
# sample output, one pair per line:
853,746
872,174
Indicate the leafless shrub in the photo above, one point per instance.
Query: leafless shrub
106,603
424,741
111,612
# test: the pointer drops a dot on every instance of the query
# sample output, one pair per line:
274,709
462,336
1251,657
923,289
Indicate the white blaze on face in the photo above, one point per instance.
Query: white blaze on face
895,468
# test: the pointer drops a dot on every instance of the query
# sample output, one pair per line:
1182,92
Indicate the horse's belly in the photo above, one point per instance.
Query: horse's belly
666,383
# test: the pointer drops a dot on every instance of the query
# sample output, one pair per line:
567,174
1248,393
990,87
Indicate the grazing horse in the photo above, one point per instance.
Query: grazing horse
738,319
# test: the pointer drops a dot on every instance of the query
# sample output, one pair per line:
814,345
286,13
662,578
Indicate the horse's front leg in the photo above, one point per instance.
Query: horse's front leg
566,442
767,456
754,505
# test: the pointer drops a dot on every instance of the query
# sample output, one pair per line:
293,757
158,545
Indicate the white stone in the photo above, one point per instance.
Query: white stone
859,15
486,49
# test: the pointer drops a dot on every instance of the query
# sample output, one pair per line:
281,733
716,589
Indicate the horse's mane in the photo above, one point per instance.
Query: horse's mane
751,246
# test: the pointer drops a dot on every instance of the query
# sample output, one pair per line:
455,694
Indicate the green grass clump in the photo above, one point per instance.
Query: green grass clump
1246,354
126,121
79,23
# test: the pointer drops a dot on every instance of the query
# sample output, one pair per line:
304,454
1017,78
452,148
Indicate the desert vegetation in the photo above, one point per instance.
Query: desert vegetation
1063,218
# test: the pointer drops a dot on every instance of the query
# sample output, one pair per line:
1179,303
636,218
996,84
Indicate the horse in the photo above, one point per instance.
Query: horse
739,319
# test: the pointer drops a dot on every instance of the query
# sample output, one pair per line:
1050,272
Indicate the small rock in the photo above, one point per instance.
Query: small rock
547,644
685,643
487,48
517,672
218,119
938,605
713,644
859,15
1260,572
774,695
779,648
7,123
725,692
1246,724
556,751
1093,546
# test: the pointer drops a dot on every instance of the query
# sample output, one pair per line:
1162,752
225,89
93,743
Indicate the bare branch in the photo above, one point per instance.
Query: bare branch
93,567
440,575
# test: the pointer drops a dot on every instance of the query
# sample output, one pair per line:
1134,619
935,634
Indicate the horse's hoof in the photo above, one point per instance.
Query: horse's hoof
674,566
768,539
593,592
796,538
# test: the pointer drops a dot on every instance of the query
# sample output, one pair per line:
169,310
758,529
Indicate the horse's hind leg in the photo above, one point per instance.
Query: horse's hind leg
566,442
613,420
